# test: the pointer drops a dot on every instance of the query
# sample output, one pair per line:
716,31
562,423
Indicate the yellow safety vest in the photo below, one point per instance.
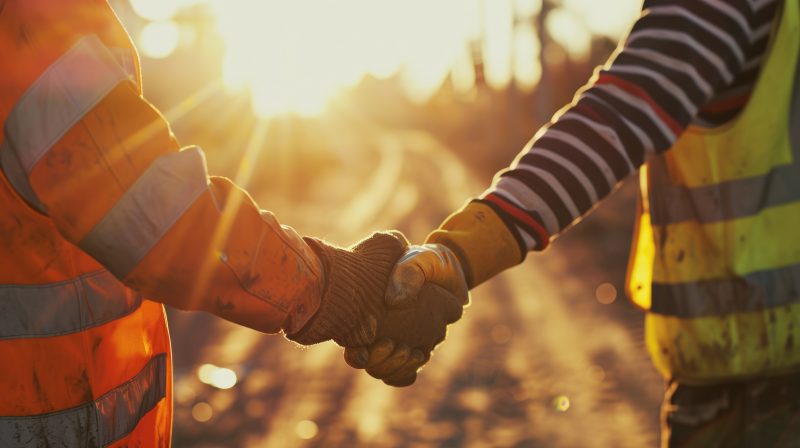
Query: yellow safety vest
716,261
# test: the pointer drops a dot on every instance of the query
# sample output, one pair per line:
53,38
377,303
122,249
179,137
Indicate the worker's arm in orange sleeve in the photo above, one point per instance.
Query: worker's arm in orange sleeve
102,163
118,186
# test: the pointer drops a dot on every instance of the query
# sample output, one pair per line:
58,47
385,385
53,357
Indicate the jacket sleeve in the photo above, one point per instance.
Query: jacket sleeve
682,63
84,147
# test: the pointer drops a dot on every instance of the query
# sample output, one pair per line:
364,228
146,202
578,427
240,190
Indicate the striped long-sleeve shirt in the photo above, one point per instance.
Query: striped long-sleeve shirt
684,61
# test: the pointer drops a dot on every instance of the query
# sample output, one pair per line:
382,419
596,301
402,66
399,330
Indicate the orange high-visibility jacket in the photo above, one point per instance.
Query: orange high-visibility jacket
100,208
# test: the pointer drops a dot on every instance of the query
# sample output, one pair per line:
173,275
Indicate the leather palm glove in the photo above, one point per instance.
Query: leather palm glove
481,240
352,304
471,246
407,337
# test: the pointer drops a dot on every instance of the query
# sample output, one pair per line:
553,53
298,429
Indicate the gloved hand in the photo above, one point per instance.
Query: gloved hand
426,292
485,247
428,263
352,302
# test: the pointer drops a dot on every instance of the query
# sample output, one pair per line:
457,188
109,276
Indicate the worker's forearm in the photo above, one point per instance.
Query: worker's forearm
683,62
117,186
226,257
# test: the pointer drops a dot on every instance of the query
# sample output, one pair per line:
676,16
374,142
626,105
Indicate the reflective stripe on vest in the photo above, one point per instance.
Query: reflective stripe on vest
717,259
733,199
778,287
95,424
56,101
87,301
147,210
59,98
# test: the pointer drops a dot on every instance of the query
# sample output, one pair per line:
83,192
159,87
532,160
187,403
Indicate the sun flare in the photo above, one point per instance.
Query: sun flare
296,56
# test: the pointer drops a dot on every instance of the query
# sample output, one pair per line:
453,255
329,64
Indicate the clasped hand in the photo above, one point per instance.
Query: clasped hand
391,330
426,292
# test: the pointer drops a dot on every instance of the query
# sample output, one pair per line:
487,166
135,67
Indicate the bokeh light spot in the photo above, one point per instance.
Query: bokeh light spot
501,334
306,429
561,403
219,377
606,293
205,372
159,39
475,400
202,412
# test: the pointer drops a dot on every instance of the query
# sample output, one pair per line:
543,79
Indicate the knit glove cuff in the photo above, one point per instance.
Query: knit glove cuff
355,283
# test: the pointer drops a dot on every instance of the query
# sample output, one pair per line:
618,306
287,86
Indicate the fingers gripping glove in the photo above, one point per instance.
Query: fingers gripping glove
426,292
407,337
428,263
471,246
352,302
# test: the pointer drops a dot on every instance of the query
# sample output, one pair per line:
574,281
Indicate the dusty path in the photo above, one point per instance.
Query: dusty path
536,361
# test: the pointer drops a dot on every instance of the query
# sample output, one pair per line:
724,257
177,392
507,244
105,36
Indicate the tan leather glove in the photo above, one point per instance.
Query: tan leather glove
481,240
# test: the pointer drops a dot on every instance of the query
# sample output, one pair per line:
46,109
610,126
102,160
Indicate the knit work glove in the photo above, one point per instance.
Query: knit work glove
352,302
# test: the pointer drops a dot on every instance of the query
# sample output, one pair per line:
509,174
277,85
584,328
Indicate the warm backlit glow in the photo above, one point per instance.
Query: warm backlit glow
527,9
156,9
527,66
497,42
609,18
568,31
159,39
296,56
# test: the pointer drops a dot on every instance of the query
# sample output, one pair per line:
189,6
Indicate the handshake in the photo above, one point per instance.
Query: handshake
387,303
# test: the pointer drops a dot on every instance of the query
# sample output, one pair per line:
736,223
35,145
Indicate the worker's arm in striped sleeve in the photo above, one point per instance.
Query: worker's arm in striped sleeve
680,58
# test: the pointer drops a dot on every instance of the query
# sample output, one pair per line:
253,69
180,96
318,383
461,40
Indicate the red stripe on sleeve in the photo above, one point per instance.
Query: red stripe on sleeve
511,209
587,110
727,105
633,89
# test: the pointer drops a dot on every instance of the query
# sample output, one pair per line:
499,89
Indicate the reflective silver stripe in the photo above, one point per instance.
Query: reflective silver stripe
61,96
147,210
96,424
29,311
728,200
671,203
70,87
18,178
753,292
